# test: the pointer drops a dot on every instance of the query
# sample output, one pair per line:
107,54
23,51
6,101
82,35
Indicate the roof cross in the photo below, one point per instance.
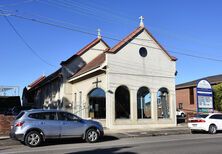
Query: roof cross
99,33
141,21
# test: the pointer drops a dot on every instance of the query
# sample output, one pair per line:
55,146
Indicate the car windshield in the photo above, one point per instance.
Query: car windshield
201,115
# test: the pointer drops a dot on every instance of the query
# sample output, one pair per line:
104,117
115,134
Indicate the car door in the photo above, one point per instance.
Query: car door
49,124
72,125
217,120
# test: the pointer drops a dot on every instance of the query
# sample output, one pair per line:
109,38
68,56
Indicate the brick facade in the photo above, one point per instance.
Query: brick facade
5,124
186,99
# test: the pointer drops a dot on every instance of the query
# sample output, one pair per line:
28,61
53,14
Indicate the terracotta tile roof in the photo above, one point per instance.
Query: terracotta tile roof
37,81
84,49
95,63
212,79
131,36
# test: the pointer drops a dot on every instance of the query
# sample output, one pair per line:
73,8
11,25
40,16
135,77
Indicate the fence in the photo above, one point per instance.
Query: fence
5,124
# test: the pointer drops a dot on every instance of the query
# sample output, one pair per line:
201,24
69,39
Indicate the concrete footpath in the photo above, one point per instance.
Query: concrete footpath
126,133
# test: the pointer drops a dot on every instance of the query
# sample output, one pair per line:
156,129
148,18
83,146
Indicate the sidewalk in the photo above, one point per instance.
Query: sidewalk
126,133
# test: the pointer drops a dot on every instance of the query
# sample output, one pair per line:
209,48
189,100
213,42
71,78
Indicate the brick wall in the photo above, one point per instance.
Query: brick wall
5,124
183,96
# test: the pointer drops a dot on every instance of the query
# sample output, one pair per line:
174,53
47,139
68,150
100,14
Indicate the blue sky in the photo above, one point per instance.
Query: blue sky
190,27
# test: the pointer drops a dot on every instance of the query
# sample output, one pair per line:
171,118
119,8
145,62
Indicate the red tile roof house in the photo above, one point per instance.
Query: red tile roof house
186,93
131,85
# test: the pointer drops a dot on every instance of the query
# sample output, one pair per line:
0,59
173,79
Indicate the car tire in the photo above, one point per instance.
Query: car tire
92,135
212,129
193,131
33,139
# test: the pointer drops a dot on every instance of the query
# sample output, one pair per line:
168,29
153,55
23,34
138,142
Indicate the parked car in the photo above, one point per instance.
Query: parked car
180,113
206,122
35,126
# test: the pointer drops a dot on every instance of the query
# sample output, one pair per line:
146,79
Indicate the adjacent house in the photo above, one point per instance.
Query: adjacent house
186,93
129,85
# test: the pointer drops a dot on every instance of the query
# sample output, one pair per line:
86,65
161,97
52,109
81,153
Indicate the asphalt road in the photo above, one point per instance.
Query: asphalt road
173,144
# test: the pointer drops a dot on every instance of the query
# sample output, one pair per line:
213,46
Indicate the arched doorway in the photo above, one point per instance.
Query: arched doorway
97,103
163,103
143,103
122,103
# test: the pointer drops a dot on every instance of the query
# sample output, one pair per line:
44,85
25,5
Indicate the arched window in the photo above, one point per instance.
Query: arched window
97,104
122,102
143,103
163,103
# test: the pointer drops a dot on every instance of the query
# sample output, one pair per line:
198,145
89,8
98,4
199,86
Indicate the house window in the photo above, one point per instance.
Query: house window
143,52
122,103
191,96
97,103
180,106
143,103
75,99
163,103
80,97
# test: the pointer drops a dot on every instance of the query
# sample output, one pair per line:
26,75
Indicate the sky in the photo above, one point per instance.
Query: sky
181,26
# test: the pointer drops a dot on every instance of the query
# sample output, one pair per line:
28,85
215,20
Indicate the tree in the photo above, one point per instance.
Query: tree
217,91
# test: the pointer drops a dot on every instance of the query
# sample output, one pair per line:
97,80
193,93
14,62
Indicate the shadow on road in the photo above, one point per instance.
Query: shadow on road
104,151
75,140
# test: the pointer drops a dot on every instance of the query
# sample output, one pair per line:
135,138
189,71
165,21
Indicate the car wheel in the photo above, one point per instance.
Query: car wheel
212,129
182,115
33,139
92,135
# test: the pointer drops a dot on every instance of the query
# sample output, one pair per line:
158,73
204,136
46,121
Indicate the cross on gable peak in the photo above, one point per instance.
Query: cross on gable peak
141,21
99,33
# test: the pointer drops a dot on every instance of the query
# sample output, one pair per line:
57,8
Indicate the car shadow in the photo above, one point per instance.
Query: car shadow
75,140
205,132
115,150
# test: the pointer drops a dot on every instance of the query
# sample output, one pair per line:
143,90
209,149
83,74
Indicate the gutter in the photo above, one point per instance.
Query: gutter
87,73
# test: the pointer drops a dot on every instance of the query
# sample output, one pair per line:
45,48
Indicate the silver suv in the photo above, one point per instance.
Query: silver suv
32,127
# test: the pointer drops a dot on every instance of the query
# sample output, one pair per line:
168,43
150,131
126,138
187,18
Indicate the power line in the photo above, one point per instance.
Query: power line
72,29
126,19
111,38
25,42
18,3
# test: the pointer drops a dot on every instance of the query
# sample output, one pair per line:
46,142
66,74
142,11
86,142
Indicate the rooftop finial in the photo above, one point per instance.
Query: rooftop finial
141,21
99,33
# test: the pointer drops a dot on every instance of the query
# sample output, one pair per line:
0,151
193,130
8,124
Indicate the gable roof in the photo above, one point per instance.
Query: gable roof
95,63
131,36
216,79
37,81
85,49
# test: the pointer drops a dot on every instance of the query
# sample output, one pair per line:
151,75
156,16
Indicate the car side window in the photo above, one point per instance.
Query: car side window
216,116
67,116
44,116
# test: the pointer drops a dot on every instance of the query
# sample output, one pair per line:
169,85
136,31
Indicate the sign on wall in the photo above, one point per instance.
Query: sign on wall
204,96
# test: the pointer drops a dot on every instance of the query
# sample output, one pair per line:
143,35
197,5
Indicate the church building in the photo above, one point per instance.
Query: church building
131,85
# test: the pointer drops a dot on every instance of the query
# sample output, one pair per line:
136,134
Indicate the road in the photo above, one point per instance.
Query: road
172,144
